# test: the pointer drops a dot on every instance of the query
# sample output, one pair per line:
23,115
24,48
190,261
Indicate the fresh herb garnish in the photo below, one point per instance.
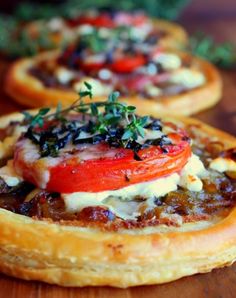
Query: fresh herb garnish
16,41
221,54
168,9
110,121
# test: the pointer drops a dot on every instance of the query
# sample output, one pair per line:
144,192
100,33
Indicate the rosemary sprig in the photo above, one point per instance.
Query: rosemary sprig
220,54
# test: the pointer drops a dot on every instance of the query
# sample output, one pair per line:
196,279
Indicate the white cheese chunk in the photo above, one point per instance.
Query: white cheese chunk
140,33
167,61
153,90
114,199
189,78
99,89
56,24
190,174
8,174
158,188
64,75
85,29
221,164
191,182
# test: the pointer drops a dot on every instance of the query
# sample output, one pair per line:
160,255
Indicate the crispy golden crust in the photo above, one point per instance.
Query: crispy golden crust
75,256
176,38
29,91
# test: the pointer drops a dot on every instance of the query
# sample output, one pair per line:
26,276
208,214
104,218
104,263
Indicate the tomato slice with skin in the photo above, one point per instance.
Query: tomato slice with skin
91,66
102,20
127,64
114,173
96,168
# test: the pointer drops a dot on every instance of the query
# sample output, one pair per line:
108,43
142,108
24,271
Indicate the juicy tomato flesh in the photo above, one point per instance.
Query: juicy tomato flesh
103,174
128,64
120,65
91,66
99,21
95,168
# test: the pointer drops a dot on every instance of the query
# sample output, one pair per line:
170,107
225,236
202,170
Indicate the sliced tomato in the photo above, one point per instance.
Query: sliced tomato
127,64
95,168
91,66
102,20
114,173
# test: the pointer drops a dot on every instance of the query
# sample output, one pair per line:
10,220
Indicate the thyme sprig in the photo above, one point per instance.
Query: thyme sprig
220,54
110,121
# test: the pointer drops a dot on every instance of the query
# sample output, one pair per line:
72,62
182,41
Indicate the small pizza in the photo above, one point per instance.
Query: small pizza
153,78
95,195
37,36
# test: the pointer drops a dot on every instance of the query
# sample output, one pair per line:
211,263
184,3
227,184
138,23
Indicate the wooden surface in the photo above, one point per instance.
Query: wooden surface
220,283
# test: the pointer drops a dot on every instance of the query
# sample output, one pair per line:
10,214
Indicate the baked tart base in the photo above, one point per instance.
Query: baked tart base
70,255
30,91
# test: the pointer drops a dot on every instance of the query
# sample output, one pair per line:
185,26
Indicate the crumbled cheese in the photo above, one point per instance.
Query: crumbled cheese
191,182
153,91
105,74
56,24
190,174
151,69
64,75
104,32
8,174
167,61
99,89
189,78
221,164
139,33
85,29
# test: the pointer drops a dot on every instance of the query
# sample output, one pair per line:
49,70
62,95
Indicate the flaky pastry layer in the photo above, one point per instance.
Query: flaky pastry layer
75,256
30,91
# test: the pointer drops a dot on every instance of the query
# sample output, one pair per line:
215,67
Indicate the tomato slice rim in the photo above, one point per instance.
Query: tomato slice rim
111,174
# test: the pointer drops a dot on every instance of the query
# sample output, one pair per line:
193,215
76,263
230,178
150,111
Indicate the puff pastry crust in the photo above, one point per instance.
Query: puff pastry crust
176,38
30,91
76,256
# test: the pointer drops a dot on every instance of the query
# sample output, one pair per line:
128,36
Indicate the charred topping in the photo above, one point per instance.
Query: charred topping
111,122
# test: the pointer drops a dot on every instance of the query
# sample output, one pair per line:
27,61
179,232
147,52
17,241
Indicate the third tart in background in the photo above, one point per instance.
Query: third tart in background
152,78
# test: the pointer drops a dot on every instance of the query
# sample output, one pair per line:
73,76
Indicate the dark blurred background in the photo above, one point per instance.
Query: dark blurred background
196,9
202,15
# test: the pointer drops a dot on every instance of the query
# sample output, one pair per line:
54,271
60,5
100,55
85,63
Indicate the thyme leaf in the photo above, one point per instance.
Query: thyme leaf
110,121
220,54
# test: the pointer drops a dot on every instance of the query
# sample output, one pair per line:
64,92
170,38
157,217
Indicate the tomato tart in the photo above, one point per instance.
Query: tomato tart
151,77
58,31
96,195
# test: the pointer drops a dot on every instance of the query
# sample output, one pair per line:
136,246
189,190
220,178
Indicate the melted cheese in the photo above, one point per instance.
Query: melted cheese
158,188
188,178
221,164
